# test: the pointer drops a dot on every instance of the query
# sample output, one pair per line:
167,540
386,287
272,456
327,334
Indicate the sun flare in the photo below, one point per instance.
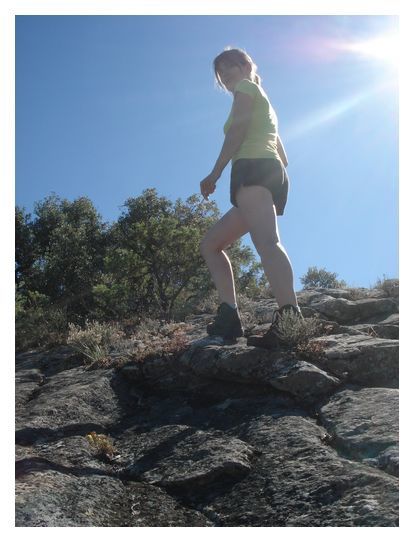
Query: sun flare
384,47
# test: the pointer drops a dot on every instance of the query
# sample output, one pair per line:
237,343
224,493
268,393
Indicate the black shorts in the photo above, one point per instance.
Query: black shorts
268,172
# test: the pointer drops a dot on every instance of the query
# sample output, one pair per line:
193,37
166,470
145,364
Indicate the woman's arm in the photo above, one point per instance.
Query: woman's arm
232,142
281,151
242,113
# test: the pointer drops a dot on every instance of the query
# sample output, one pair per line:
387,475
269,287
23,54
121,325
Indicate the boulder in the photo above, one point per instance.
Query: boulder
300,481
182,457
360,359
65,403
364,425
306,382
50,498
345,311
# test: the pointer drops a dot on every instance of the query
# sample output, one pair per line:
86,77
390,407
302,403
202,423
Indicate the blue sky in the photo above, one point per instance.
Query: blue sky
107,106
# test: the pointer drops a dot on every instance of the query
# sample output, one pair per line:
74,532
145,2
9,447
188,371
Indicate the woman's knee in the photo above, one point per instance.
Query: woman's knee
207,246
220,236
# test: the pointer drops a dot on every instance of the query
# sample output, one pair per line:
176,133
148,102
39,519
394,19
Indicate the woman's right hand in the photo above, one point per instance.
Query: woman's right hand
208,185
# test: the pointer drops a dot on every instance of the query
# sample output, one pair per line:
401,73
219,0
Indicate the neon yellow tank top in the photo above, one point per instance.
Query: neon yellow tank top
261,137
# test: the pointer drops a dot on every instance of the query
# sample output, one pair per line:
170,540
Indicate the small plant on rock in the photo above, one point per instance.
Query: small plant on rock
102,445
388,286
356,293
295,331
169,340
96,341
313,351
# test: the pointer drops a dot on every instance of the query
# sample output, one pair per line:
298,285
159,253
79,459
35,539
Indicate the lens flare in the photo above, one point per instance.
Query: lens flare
381,47
332,112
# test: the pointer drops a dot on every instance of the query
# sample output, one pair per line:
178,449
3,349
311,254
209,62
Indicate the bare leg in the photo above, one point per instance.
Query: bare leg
229,228
256,205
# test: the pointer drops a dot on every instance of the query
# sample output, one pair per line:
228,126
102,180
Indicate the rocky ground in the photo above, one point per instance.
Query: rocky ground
223,434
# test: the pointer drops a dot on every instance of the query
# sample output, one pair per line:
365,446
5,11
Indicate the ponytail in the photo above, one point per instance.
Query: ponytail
257,79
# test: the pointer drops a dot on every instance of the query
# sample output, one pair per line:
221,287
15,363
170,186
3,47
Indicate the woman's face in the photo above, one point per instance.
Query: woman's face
231,75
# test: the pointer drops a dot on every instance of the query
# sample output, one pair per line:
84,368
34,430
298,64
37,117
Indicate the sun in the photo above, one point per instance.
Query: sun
385,47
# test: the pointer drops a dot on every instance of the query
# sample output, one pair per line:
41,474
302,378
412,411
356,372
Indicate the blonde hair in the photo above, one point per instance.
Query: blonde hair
235,57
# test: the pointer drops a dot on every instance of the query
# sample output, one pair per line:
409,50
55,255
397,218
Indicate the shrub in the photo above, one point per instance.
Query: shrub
159,339
39,323
312,351
388,286
107,345
357,293
96,341
321,278
295,331
247,310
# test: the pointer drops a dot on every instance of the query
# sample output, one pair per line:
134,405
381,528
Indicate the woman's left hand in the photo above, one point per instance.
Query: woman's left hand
208,185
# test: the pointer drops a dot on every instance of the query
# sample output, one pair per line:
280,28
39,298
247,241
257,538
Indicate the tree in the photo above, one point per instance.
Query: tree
154,262
321,278
71,266
60,253
24,246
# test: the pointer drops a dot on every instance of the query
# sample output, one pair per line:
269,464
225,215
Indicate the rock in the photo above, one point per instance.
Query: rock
388,460
49,498
344,311
303,380
364,424
251,366
70,454
361,359
27,383
151,506
181,457
391,287
393,319
222,434
311,295
299,481
70,400
384,331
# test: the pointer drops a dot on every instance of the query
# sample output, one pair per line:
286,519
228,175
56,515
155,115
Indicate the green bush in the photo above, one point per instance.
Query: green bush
294,331
39,323
321,278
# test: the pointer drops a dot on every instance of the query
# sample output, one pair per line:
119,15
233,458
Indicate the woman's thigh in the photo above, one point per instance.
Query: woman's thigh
258,211
228,229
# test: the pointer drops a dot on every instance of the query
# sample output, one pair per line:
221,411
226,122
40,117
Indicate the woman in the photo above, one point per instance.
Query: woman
258,191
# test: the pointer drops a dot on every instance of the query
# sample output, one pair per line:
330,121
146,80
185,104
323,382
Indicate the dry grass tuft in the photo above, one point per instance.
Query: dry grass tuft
312,351
102,445
105,345
95,341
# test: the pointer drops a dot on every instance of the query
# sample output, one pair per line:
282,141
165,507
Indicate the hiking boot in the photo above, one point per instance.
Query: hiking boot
272,339
227,323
